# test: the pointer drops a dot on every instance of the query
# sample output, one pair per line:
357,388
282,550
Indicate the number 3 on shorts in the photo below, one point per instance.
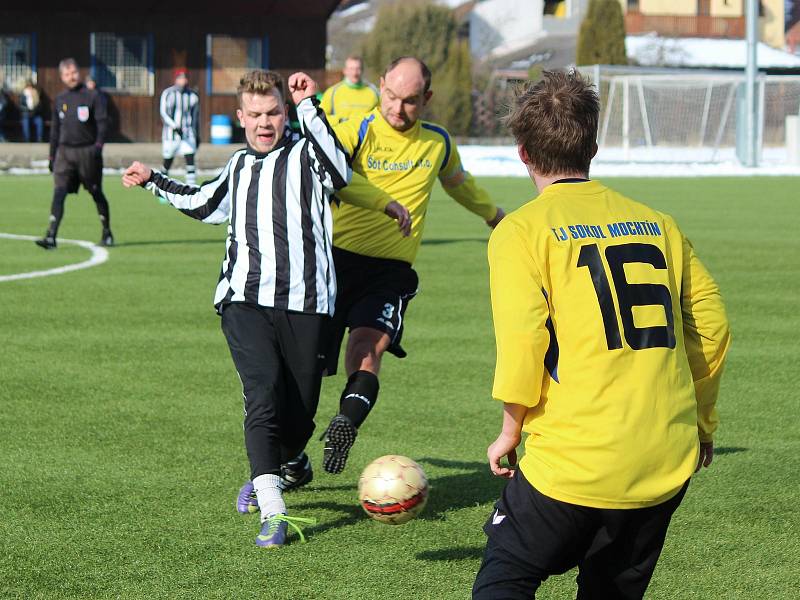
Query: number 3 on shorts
388,311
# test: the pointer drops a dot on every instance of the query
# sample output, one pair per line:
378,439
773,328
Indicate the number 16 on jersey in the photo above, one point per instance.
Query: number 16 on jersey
629,295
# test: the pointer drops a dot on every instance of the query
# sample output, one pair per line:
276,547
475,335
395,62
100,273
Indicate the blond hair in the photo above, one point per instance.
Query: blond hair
260,82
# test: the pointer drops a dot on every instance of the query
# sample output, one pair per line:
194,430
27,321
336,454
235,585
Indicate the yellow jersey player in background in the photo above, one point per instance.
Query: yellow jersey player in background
394,155
351,94
611,338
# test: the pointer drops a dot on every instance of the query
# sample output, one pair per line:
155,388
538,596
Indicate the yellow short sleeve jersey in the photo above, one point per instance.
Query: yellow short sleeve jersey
341,100
614,335
402,166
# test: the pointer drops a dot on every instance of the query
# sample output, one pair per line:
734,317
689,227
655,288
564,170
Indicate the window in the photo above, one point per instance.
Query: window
16,61
122,63
228,58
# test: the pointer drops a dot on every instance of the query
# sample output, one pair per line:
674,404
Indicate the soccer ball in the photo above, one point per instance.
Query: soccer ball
393,489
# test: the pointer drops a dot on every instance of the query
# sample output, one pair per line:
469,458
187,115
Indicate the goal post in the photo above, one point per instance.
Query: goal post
687,115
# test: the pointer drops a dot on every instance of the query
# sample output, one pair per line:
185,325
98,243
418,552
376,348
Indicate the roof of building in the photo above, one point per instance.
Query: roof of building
652,50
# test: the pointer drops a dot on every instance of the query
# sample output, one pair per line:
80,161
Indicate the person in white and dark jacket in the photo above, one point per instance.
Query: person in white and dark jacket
180,112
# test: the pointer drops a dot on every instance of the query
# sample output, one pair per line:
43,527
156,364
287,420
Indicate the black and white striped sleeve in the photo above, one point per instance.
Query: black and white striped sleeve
196,118
209,202
327,150
165,108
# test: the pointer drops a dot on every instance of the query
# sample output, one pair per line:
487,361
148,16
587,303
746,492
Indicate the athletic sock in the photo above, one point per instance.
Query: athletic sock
268,492
52,228
167,165
101,204
359,396
56,211
191,179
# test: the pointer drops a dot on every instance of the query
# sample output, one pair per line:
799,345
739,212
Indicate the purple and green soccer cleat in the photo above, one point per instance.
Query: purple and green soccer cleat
275,530
246,501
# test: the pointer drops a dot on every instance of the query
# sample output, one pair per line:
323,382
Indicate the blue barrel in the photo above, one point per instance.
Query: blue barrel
221,129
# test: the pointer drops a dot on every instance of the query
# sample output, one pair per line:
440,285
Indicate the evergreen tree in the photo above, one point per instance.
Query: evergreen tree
429,32
601,40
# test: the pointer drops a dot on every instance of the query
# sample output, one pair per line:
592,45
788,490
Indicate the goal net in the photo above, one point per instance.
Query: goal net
688,116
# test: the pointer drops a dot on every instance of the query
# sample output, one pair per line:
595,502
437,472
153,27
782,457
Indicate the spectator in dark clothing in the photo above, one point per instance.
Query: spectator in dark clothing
4,105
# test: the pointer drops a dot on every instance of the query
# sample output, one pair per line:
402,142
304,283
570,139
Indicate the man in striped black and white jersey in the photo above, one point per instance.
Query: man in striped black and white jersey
277,285
180,112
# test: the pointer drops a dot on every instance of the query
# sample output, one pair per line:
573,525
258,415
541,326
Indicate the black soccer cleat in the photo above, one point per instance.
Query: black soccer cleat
106,239
339,438
296,473
48,242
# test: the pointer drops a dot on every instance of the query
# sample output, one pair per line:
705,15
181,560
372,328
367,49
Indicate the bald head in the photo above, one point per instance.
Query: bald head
410,67
405,90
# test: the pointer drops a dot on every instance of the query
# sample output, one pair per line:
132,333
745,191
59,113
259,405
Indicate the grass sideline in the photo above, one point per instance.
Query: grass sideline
121,417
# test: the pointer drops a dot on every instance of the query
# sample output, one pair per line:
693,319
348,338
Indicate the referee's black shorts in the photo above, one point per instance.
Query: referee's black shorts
371,292
76,165
532,536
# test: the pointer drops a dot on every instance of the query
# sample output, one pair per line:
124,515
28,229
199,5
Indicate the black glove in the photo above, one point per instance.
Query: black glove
50,164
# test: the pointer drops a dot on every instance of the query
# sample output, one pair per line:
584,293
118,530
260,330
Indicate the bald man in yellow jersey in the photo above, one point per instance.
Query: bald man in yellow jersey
394,155
351,95
611,338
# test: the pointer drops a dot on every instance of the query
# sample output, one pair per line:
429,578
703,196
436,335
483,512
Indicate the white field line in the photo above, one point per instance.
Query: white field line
98,257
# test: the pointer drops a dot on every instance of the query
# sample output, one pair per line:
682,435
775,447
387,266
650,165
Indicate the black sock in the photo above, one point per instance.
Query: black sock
167,165
56,211
101,204
359,396
190,169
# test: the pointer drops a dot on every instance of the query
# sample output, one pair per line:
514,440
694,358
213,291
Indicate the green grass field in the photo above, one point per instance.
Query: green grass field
120,420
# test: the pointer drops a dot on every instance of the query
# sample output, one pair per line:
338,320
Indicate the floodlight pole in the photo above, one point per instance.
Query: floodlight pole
751,20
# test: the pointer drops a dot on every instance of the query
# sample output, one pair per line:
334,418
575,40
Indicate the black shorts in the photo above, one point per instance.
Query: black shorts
75,165
532,536
371,292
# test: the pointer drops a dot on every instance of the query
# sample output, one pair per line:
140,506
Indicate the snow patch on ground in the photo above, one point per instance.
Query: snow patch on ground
502,161
657,161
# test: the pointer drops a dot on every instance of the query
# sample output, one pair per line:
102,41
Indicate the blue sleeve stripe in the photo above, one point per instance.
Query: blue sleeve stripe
362,133
446,136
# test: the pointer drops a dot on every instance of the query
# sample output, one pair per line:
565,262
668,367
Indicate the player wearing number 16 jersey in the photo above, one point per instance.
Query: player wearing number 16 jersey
611,337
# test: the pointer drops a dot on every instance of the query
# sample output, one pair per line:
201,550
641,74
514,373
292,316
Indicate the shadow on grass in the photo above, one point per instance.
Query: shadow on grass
350,515
729,450
468,489
445,241
458,553
166,242
448,492
460,490
334,488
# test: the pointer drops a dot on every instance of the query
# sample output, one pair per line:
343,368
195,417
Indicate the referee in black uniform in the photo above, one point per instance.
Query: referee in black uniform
77,135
